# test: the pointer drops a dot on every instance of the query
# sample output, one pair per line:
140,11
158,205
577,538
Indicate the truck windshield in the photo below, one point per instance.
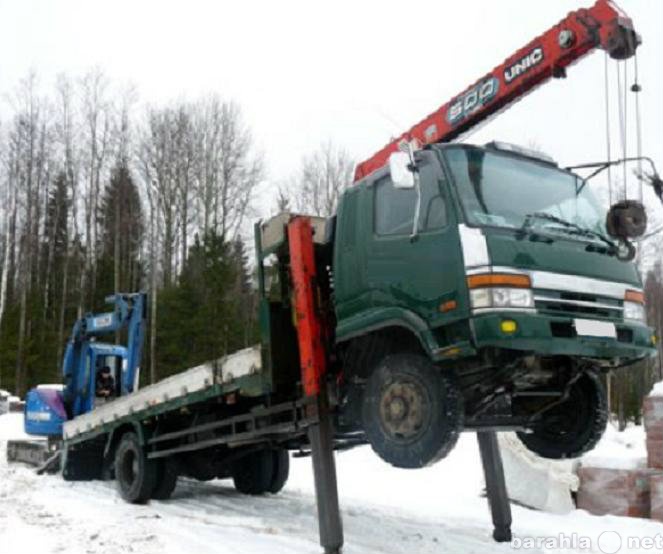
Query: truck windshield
507,191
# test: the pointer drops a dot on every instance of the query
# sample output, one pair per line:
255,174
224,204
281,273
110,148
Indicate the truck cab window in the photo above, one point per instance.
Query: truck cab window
435,216
433,207
394,208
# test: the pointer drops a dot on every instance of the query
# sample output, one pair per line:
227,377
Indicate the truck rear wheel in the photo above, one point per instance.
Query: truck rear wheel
261,471
280,470
574,426
134,473
412,414
166,479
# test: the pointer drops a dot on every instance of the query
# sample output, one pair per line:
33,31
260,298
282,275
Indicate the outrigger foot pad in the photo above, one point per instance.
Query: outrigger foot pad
502,534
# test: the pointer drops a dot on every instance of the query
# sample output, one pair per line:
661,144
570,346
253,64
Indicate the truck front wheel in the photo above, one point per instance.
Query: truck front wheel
135,474
412,413
573,426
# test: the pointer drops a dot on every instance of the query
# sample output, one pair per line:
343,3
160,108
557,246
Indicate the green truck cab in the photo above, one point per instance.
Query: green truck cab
483,294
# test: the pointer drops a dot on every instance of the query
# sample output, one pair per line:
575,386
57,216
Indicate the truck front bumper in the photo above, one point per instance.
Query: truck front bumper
548,335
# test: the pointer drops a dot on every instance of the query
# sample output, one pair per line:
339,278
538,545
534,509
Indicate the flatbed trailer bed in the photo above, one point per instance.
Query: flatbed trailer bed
239,372
208,415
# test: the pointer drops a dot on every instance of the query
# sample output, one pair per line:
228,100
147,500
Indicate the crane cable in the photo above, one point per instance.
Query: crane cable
622,102
622,110
636,88
607,125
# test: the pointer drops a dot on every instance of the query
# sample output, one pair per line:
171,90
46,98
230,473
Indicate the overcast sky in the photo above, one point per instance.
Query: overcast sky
356,72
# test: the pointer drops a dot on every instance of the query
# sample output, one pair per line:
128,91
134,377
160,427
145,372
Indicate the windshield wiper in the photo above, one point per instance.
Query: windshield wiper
578,229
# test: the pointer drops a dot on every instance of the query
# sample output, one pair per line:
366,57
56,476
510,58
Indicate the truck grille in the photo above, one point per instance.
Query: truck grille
576,304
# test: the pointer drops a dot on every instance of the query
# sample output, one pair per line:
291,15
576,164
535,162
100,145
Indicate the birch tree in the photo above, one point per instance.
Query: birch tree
28,165
66,130
228,170
97,128
322,177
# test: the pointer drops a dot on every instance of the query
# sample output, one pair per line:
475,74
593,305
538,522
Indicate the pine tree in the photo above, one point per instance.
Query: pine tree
245,298
54,248
202,317
122,229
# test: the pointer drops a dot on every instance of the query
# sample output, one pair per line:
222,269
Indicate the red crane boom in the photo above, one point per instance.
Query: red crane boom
603,25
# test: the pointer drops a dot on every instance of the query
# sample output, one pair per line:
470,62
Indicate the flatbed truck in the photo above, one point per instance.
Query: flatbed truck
458,288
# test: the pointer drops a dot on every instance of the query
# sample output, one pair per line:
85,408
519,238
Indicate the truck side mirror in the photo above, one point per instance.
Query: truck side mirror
626,220
400,170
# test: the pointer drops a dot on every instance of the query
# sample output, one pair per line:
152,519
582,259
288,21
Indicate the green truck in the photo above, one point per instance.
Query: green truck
445,306
458,287
488,296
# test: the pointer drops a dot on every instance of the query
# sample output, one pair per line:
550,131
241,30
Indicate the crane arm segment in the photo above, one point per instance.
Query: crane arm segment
603,26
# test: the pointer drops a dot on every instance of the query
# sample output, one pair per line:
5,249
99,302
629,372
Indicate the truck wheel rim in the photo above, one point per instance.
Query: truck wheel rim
404,410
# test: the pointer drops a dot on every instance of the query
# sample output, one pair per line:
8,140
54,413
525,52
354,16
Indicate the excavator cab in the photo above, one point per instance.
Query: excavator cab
47,407
112,364
95,357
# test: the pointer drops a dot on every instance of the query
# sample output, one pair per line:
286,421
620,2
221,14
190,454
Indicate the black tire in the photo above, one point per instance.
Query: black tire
107,472
261,472
281,469
412,413
134,473
574,426
253,473
166,479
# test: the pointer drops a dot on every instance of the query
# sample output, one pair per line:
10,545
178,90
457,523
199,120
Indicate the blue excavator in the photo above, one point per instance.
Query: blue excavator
47,407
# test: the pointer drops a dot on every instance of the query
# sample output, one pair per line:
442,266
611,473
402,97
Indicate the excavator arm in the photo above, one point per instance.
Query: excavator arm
603,26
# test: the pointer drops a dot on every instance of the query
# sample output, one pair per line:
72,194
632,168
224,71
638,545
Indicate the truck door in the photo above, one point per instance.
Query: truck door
351,293
423,274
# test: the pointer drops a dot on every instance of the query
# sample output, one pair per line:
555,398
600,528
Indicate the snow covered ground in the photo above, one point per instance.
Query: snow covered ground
619,450
435,510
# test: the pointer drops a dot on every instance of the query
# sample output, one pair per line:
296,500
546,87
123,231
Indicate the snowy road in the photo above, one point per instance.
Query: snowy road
436,510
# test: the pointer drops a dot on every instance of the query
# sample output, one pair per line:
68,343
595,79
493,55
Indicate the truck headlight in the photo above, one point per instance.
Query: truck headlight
634,311
634,306
500,290
501,297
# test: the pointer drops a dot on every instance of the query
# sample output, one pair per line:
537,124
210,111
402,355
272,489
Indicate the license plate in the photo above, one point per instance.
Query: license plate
593,328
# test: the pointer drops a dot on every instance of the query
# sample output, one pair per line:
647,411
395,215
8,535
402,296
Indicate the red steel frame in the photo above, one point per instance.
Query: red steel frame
309,327
603,25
